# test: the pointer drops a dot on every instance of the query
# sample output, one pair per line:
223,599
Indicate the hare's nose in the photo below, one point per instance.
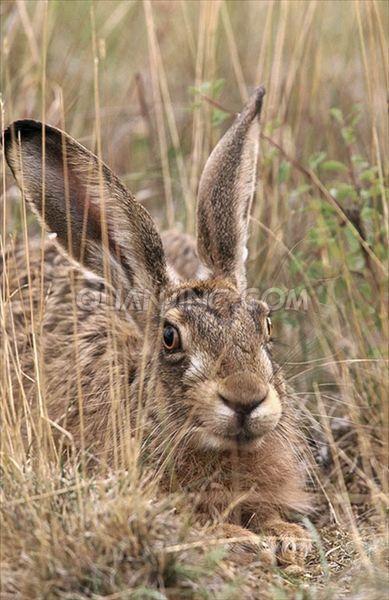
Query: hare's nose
243,409
243,394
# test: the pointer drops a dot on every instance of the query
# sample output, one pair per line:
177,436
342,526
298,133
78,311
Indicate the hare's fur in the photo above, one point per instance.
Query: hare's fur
214,416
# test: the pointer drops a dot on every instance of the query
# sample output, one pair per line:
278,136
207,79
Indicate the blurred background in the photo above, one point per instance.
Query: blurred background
153,85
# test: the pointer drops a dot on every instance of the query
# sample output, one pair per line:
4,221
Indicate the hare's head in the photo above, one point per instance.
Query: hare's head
206,340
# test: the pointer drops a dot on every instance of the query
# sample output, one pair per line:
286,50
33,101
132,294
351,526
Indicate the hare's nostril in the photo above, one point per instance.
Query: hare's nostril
247,409
225,401
242,408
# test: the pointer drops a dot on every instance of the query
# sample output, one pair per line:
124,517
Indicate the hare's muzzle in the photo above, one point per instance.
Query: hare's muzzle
247,408
244,409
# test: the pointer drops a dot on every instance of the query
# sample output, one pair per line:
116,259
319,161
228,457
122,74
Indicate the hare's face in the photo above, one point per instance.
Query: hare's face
215,370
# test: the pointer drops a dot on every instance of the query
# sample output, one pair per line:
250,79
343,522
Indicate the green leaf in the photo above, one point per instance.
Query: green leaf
345,191
272,126
359,161
369,174
355,262
357,116
218,86
333,165
365,289
283,171
302,189
352,241
316,159
348,135
368,213
208,88
337,114
218,116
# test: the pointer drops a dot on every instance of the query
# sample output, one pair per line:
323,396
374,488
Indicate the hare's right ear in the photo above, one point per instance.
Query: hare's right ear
225,193
95,217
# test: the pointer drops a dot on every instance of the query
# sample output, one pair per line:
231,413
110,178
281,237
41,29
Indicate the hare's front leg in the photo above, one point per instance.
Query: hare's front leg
245,545
290,542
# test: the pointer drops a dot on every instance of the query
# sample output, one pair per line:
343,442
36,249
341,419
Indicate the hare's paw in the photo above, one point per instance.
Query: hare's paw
246,547
292,542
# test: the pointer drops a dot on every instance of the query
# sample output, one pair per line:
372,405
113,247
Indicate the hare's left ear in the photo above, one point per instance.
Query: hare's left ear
225,194
97,220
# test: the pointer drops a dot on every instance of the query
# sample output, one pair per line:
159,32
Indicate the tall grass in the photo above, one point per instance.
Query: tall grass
151,86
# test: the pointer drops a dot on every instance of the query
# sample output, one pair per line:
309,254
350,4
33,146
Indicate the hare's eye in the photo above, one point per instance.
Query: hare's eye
269,326
171,338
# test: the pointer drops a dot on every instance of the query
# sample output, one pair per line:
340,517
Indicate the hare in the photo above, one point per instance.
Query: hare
187,361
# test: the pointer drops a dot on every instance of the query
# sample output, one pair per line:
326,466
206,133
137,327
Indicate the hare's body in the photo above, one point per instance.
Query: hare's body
171,349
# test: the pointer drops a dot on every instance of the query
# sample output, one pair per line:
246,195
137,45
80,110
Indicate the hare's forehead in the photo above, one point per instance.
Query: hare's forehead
220,315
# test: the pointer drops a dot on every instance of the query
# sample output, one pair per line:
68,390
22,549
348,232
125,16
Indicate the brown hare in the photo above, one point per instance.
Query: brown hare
185,359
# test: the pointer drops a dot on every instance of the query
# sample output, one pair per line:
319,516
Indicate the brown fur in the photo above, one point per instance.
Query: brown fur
215,417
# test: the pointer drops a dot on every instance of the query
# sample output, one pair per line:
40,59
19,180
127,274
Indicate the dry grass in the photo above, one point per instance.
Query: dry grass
150,86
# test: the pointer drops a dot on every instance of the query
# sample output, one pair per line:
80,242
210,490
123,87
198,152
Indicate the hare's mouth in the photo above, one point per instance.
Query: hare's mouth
246,436
243,439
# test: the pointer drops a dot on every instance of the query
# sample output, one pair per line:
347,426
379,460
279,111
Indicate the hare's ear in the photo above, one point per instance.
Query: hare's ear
95,217
225,194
